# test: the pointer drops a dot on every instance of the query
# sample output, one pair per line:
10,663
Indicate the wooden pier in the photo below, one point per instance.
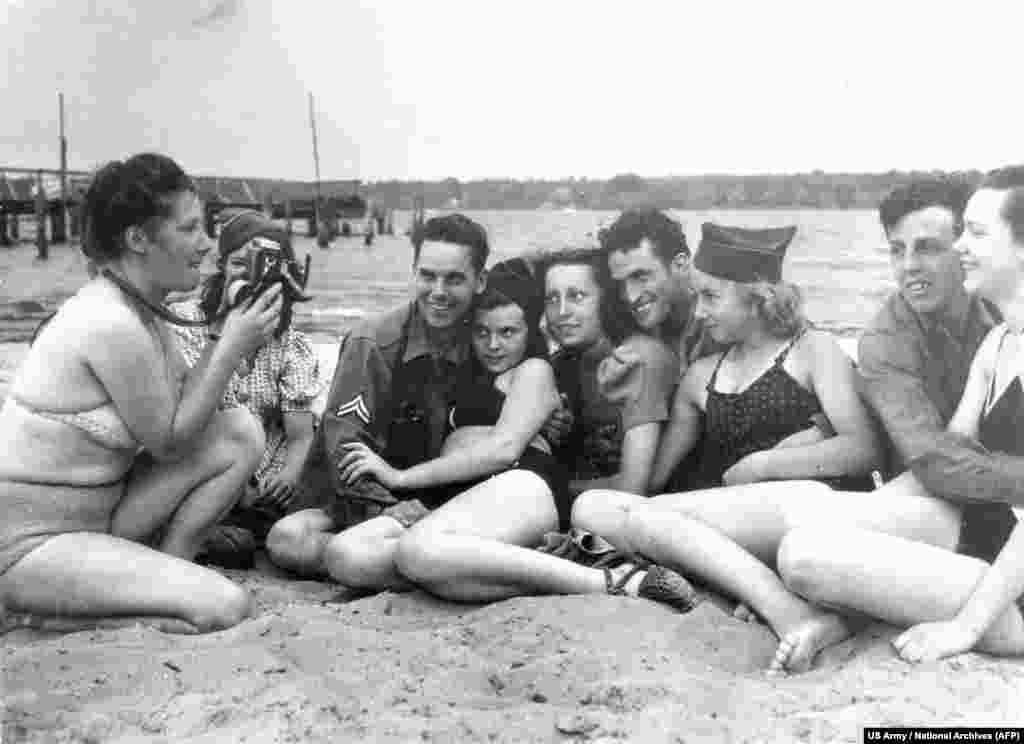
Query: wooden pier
54,198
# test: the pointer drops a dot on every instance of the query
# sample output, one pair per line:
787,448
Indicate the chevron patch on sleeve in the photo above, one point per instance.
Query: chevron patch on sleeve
357,406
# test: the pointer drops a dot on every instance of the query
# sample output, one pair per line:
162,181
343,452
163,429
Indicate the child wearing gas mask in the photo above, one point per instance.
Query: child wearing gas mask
278,384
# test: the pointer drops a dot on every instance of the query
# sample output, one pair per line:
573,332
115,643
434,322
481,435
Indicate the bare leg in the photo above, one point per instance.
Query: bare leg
755,518
668,536
363,556
297,542
475,547
191,495
759,515
900,581
91,575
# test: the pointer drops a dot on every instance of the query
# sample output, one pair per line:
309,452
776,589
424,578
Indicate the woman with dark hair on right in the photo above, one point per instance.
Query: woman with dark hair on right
108,444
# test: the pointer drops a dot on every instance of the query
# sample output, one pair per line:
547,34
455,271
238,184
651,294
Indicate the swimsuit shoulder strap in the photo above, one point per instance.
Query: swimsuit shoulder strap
989,397
714,373
781,356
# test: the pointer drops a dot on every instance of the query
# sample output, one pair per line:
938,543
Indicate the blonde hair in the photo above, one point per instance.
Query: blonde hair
780,305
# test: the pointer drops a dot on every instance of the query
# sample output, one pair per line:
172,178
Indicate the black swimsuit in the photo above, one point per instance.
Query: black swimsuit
771,408
984,526
478,403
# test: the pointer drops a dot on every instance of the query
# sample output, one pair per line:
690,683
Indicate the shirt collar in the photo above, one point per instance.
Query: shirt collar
689,337
418,343
953,318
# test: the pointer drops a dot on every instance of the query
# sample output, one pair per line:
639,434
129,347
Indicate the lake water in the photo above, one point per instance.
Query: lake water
838,259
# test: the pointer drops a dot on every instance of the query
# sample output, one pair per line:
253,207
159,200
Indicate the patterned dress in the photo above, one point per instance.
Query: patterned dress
283,377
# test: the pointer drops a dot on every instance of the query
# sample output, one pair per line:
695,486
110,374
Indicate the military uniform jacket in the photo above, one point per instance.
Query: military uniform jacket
391,391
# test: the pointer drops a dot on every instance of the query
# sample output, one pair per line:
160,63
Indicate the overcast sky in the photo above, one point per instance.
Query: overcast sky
531,88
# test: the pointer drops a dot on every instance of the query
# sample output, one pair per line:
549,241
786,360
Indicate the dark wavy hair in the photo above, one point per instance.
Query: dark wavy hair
922,193
665,234
458,229
137,192
1010,179
532,301
614,314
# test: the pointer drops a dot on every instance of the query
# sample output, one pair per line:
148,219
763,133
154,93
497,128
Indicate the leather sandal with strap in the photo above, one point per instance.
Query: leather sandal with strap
617,587
669,587
659,584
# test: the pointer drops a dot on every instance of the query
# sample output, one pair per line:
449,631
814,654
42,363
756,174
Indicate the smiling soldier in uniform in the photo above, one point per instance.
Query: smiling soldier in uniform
391,391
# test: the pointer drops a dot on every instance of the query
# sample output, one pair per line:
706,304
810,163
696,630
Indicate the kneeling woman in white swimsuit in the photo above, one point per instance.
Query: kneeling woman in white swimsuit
108,443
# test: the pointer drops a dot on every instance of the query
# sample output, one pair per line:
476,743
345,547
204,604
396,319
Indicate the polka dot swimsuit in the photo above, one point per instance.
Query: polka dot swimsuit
770,409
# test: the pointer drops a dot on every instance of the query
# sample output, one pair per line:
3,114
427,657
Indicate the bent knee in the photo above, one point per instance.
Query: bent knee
241,435
599,508
420,555
801,564
802,502
229,606
357,562
294,545
520,480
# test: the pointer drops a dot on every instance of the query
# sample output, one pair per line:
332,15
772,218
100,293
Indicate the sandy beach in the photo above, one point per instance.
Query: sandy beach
316,662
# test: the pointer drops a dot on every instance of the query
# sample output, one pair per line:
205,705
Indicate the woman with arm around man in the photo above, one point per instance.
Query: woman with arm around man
509,488
109,444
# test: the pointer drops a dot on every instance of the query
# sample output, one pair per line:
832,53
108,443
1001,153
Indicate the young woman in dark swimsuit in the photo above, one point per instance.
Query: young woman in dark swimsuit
759,410
780,403
953,602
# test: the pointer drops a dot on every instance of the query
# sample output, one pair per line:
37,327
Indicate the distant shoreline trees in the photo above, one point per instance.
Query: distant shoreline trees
814,190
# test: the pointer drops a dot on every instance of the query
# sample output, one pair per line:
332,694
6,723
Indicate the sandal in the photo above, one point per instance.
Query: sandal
617,588
669,587
659,584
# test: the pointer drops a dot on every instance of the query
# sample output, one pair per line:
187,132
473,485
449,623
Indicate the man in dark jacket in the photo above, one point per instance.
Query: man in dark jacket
391,391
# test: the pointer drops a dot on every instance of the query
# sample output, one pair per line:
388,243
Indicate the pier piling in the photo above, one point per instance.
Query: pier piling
42,243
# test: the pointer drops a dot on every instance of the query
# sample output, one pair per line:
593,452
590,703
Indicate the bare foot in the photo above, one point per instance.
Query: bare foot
798,647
